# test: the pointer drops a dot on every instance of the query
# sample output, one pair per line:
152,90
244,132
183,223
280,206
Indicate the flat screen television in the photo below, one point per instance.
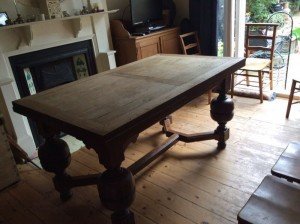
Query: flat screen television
146,11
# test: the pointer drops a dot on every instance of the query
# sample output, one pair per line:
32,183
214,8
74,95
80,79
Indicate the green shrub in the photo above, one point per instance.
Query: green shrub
296,33
294,5
259,9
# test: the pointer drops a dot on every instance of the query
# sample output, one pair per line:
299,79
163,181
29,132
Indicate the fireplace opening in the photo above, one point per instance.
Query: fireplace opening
55,73
41,70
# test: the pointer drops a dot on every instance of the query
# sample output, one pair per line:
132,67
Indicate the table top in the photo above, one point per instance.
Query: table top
129,98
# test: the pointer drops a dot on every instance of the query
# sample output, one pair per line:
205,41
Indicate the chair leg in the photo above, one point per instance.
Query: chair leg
290,99
232,85
247,79
271,79
260,80
209,93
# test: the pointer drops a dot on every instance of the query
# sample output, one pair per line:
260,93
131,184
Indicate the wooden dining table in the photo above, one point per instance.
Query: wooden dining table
107,112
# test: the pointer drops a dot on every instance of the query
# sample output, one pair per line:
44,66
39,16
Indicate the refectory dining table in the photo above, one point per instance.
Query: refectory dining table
107,112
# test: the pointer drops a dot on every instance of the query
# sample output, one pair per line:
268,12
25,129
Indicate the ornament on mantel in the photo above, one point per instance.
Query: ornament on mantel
95,8
84,10
19,17
51,8
90,6
65,14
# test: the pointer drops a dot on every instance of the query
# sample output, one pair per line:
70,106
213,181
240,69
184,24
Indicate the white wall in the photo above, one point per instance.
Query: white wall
121,5
9,7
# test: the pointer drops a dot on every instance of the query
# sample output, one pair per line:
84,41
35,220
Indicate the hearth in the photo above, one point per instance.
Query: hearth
41,70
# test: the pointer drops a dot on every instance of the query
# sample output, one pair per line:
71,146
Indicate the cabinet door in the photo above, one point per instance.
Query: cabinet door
170,43
148,47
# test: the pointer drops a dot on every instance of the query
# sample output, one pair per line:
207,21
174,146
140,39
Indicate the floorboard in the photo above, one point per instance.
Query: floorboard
191,183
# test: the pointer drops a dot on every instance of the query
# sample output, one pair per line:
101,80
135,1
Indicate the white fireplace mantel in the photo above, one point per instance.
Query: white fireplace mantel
30,37
26,31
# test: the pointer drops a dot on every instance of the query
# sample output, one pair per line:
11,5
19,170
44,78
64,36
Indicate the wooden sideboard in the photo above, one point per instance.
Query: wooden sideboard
132,48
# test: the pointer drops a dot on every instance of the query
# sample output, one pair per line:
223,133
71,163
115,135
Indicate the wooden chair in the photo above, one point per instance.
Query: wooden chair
275,201
190,43
288,164
191,46
259,51
294,89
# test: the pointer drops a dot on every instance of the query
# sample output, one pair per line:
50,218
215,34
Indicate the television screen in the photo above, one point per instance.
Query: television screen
3,18
143,11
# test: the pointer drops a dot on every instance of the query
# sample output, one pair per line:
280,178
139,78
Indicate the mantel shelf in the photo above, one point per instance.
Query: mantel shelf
26,31
58,19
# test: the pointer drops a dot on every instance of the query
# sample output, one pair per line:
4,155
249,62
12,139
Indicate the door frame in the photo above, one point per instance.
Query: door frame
234,27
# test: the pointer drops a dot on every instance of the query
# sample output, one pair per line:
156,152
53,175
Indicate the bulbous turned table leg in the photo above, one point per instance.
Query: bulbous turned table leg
117,192
55,157
221,111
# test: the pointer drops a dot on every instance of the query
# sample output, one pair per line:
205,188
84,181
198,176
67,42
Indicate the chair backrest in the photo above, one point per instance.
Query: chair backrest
297,86
190,43
260,39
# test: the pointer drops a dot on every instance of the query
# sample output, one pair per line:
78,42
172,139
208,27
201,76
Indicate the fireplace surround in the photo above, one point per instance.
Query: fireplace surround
44,69
28,39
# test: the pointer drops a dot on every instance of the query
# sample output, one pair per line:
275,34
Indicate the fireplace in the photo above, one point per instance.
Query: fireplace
41,70
40,38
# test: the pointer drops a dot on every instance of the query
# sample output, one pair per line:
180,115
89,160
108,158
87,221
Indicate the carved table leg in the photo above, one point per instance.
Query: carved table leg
116,186
222,111
55,157
117,192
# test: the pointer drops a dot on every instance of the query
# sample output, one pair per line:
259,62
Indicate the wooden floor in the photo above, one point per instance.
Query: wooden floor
192,183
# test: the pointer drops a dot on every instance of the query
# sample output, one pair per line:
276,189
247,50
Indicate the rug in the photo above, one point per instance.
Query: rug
267,95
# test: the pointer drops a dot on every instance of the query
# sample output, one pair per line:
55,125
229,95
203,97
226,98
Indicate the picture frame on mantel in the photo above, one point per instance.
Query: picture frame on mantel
3,18
51,8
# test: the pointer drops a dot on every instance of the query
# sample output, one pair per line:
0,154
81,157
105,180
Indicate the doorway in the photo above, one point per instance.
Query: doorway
287,55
